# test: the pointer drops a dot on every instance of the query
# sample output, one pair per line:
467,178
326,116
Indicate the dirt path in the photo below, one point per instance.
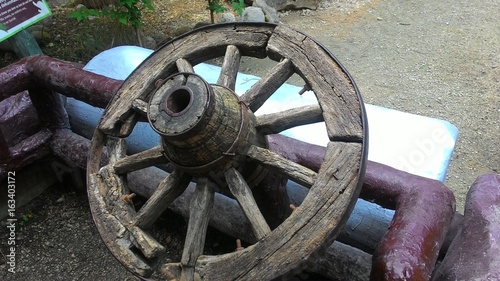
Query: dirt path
434,58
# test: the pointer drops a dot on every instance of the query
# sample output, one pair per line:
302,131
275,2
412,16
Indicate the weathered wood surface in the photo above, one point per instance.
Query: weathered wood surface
312,225
117,149
199,214
339,182
334,188
230,67
140,107
194,47
294,171
184,66
113,215
335,90
148,158
168,190
108,223
241,191
228,217
266,86
96,150
275,123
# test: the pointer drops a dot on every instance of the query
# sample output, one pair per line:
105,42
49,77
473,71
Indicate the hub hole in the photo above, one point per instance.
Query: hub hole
178,101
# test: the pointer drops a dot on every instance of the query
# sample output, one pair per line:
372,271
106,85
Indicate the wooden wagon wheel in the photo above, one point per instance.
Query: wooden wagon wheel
211,136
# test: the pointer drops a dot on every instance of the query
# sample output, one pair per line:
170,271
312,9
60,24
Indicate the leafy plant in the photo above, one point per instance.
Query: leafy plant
216,7
25,218
238,6
129,13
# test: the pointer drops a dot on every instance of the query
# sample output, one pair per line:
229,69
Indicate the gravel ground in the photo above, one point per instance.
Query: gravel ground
434,58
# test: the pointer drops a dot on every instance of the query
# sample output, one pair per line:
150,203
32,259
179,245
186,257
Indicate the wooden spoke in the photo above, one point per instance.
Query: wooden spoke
129,124
265,87
144,159
184,66
241,191
199,215
168,190
230,67
140,106
277,122
294,171
146,243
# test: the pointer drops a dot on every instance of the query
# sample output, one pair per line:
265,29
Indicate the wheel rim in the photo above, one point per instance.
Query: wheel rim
333,189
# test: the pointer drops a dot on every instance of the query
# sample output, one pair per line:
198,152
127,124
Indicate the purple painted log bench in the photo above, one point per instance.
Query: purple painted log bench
474,254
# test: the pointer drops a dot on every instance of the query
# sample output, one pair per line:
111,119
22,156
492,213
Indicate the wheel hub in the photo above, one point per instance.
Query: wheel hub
203,127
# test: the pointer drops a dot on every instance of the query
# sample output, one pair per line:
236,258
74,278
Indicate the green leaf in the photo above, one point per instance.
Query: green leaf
123,21
128,13
84,13
79,15
93,12
128,3
215,6
148,5
238,6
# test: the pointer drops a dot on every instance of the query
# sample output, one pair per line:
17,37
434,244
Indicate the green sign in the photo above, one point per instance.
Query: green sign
15,15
